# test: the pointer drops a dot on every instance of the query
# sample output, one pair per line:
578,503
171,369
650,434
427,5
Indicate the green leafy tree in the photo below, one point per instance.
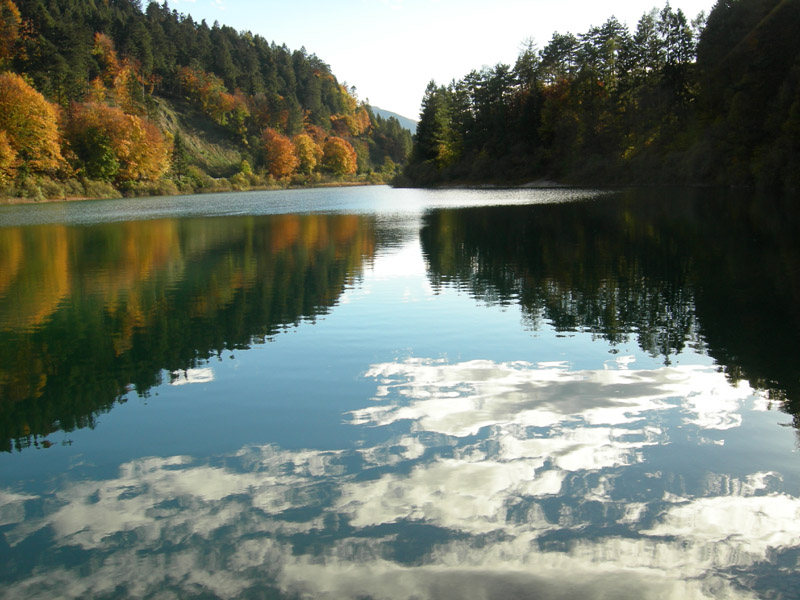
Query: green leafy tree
95,149
432,129
180,156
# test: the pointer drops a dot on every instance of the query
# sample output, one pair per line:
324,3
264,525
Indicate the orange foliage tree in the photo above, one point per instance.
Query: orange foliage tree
339,157
308,152
279,153
115,145
31,125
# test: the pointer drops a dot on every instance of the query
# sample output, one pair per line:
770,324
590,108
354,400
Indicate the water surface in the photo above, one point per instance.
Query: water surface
375,393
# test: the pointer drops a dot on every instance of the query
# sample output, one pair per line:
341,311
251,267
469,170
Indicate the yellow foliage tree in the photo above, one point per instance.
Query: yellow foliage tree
115,145
8,157
308,152
279,153
351,124
128,89
339,157
361,120
30,123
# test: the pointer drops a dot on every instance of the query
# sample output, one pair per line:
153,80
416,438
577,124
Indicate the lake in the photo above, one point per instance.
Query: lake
377,393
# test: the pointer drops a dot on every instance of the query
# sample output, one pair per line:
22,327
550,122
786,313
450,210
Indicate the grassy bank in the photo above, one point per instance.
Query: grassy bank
42,189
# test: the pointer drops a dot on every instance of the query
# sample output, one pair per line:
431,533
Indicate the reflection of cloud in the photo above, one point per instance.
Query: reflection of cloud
203,375
538,504
222,529
461,399
12,507
541,578
750,525
460,495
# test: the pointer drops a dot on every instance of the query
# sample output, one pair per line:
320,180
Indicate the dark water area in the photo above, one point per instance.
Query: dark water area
376,393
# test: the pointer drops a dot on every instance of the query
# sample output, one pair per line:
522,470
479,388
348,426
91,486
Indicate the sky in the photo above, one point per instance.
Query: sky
390,49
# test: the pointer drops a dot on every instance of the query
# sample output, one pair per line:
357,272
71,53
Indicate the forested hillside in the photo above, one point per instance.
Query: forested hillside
99,97
708,101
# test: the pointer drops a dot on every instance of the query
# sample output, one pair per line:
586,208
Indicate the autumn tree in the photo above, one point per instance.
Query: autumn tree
339,157
351,124
308,153
30,123
209,92
116,146
279,154
106,56
206,90
8,157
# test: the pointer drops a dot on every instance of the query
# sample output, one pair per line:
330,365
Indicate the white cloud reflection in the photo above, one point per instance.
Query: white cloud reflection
512,480
461,399
201,375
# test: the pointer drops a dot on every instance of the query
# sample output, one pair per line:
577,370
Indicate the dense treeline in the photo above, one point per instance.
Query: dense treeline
129,96
712,101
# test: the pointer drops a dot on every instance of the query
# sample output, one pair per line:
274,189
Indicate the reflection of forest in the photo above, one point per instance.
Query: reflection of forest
87,313
668,270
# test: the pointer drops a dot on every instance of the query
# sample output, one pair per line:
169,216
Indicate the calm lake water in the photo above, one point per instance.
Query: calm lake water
390,394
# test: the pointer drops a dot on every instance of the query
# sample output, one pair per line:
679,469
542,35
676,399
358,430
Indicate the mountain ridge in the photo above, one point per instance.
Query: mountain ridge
405,122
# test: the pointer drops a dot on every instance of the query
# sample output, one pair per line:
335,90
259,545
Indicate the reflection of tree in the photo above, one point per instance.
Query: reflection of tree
124,302
579,266
667,269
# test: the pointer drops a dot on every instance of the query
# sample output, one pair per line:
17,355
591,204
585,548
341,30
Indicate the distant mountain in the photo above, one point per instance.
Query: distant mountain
409,124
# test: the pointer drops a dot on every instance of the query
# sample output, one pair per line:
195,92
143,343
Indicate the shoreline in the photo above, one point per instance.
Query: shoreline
17,201
539,184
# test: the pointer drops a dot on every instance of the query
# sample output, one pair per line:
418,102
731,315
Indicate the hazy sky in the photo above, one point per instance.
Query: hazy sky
391,49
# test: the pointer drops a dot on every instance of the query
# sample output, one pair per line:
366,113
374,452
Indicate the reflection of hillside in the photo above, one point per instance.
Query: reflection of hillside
666,270
88,312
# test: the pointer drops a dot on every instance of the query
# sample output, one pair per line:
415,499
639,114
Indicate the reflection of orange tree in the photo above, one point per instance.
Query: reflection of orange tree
88,312
34,275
